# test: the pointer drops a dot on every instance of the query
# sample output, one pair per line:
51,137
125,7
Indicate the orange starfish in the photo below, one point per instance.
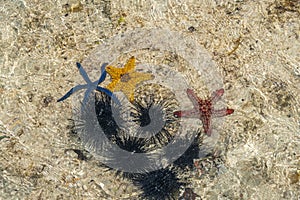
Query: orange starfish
126,79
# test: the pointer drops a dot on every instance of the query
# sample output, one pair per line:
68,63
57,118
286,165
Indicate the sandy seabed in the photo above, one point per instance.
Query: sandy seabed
255,45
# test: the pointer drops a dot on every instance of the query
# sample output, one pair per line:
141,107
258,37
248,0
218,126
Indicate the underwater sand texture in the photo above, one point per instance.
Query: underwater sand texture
255,45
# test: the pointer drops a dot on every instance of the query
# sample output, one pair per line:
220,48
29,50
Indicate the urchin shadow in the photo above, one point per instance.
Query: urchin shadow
166,183
155,184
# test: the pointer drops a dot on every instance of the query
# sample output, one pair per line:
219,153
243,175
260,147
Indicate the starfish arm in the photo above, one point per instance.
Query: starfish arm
138,77
128,91
206,120
131,97
216,95
114,72
112,85
186,113
129,66
222,112
83,73
103,73
135,79
70,92
109,93
193,97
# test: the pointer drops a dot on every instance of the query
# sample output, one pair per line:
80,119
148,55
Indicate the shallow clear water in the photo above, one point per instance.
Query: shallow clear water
248,48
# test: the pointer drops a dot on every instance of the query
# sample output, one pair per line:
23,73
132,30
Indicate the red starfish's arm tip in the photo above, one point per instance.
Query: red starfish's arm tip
177,114
220,92
216,95
207,129
229,111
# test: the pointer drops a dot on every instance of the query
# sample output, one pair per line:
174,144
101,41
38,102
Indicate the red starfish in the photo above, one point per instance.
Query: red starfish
204,109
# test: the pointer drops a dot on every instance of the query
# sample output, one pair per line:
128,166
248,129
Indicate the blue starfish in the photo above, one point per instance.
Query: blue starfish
90,86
